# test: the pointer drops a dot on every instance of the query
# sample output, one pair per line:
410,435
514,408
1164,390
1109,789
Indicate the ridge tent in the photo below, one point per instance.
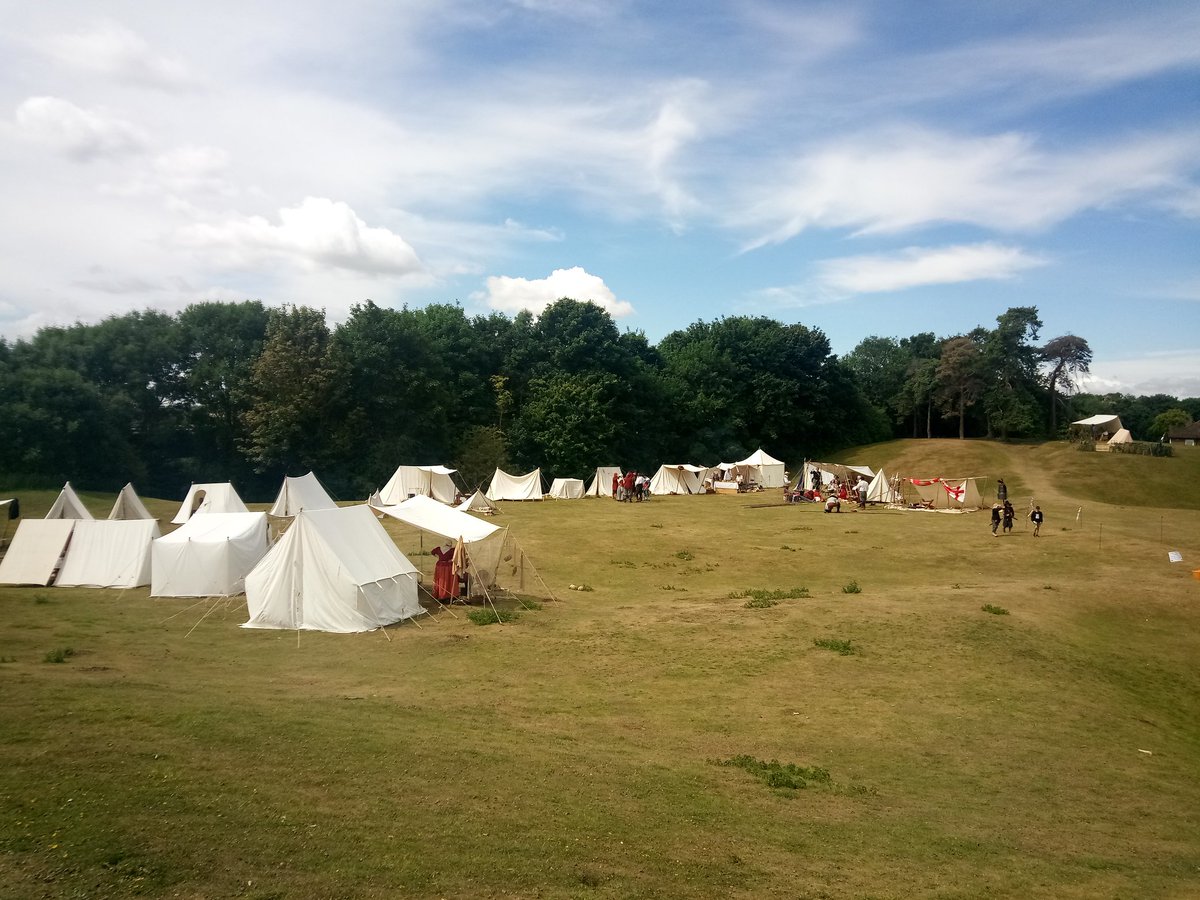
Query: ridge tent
601,483
209,556
129,506
515,487
484,541
300,493
67,505
880,490
476,503
764,469
109,553
334,569
219,497
678,479
35,551
419,481
566,489
948,493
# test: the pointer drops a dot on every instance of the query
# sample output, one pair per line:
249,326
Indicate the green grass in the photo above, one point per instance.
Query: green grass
570,755
837,645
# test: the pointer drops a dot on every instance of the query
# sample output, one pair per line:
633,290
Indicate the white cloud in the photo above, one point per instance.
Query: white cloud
910,178
511,295
319,233
80,134
918,266
1172,372
115,52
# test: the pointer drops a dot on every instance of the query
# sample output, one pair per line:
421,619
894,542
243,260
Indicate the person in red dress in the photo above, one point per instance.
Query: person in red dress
445,584
616,482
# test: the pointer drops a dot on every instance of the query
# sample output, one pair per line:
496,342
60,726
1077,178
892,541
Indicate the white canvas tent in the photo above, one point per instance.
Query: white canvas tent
515,487
129,505
67,505
948,493
476,503
419,481
828,471
218,497
109,554
209,556
334,570
35,551
762,469
601,483
303,493
566,489
484,541
881,490
681,478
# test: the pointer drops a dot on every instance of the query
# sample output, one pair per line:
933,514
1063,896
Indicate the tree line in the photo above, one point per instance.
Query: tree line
243,392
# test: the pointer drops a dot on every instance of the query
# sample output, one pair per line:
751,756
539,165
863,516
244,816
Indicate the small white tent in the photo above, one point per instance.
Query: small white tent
478,503
566,489
333,570
601,483
35,551
67,505
677,479
129,506
209,498
419,481
880,490
515,487
109,554
763,469
300,493
209,556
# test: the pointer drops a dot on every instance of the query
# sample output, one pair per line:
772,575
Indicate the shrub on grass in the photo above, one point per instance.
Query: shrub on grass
489,616
59,655
759,594
837,645
685,555
852,588
785,776
995,610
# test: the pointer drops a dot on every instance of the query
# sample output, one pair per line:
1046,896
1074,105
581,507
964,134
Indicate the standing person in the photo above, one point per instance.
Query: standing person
1036,518
1001,490
616,484
995,518
861,488
816,479
1009,515
627,485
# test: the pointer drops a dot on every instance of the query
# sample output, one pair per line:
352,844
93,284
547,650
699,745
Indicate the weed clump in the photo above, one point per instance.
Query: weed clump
764,595
995,610
774,774
59,655
852,588
837,645
489,616
685,555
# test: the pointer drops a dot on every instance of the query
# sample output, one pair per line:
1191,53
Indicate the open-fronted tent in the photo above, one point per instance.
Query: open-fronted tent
828,472
110,553
476,503
566,489
762,469
419,481
303,493
881,490
67,505
601,483
336,570
219,497
515,487
948,493
129,506
484,541
35,551
681,478
209,556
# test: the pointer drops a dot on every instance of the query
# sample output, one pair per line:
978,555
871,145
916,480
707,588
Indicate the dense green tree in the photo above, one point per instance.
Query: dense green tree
1010,362
482,450
1167,421
880,366
570,421
960,378
1067,356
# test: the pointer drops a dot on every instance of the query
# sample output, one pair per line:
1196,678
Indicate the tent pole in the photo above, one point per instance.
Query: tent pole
203,617
182,611
538,576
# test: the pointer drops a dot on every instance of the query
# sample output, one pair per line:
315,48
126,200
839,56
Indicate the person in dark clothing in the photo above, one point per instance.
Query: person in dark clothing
1009,515
1001,490
995,518
1036,518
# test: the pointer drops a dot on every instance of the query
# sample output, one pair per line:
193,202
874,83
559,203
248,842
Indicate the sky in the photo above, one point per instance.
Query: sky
863,168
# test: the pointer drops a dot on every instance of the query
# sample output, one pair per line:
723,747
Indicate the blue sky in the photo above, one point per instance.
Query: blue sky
862,168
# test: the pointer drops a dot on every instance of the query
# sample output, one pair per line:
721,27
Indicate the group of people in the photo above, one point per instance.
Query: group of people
634,486
834,493
1003,513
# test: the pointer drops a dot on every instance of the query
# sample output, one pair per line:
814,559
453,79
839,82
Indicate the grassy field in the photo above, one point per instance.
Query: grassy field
614,744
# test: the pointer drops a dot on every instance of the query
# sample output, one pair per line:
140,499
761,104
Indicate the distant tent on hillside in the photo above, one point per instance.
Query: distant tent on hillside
129,505
1104,429
219,497
601,483
208,556
67,505
305,492
335,570
110,553
35,551
419,481
476,503
566,489
515,487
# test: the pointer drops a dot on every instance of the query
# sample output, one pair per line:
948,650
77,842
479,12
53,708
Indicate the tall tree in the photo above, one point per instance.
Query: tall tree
1068,357
1010,357
960,378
